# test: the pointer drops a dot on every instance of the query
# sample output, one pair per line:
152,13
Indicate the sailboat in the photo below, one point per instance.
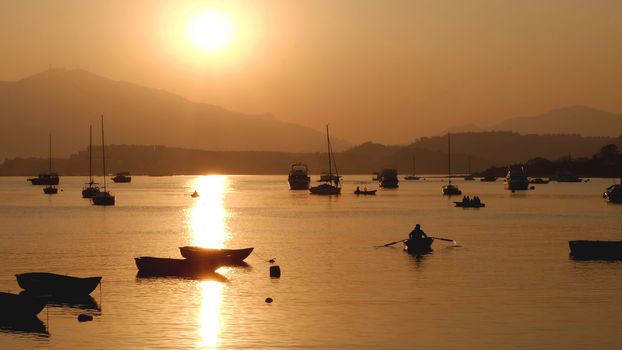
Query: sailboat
90,188
449,189
331,184
413,176
469,177
103,197
50,189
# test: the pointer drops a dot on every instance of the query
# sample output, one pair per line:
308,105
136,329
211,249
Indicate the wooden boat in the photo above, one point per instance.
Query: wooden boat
605,250
50,189
450,189
469,204
14,306
332,182
365,192
229,256
122,177
90,188
103,197
418,246
45,283
299,178
151,266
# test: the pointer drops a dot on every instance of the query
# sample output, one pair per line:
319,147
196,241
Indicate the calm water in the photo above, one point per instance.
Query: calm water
509,283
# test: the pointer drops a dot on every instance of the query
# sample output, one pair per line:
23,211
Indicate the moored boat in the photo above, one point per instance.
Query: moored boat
332,181
50,189
90,188
122,177
103,197
299,178
45,179
45,283
584,249
565,176
388,178
364,191
516,180
151,266
450,189
613,194
15,306
539,181
469,204
418,245
413,176
488,179
228,256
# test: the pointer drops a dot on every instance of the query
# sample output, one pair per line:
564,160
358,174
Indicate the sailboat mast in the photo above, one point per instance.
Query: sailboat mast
330,168
449,156
103,153
413,164
91,154
50,164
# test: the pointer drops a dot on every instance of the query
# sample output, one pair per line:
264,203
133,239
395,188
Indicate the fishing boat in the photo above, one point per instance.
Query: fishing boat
539,181
16,306
122,177
418,245
488,178
516,180
45,283
613,193
583,249
229,256
332,182
364,192
103,197
50,189
450,189
90,188
151,266
299,178
413,176
388,178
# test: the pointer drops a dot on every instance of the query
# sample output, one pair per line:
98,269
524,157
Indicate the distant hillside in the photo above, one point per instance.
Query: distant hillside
65,102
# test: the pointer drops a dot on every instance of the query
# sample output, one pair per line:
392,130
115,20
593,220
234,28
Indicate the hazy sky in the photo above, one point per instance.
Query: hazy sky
375,70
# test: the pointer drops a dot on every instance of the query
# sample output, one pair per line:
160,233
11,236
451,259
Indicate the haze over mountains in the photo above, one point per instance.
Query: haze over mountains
65,102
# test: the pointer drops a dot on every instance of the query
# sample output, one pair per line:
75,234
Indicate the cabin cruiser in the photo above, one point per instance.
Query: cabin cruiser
516,180
122,177
613,193
388,178
299,177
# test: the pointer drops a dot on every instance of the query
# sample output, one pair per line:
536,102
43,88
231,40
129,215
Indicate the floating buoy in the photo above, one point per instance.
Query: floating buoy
84,318
275,271
269,300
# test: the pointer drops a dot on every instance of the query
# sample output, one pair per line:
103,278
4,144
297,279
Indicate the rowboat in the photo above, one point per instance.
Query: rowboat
582,249
469,204
19,306
225,256
45,283
150,266
419,245
365,192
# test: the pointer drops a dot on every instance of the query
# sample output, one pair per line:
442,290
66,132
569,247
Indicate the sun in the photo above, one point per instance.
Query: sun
210,31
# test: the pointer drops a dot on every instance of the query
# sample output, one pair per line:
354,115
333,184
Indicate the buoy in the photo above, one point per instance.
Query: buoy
275,271
85,317
269,300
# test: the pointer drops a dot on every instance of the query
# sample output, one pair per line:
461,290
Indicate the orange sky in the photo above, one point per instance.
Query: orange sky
386,71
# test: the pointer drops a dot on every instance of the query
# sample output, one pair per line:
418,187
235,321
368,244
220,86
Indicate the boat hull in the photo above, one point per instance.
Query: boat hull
103,198
512,185
228,256
412,177
418,246
299,184
150,266
45,283
365,193
50,190
606,250
45,179
14,306
326,190
469,205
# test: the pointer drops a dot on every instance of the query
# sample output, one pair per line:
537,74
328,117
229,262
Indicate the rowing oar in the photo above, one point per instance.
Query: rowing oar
445,239
392,243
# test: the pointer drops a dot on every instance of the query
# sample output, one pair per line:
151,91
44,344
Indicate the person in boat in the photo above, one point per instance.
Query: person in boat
465,200
476,200
357,189
417,233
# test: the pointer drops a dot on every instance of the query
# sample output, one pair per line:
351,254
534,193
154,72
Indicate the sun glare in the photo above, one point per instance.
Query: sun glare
210,31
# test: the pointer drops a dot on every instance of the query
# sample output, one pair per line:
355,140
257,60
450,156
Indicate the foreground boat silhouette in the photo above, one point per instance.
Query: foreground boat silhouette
152,266
46,283
14,306
418,245
607,250
227,256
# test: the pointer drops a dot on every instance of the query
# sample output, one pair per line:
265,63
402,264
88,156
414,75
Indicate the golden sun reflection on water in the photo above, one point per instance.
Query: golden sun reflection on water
208,216
208,224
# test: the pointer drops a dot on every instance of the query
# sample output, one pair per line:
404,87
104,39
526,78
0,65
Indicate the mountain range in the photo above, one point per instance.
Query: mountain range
64,103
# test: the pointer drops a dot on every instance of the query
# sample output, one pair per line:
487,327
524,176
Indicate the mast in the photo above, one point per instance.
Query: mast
103,153
413,163
330,168
449,156
91,154
50,165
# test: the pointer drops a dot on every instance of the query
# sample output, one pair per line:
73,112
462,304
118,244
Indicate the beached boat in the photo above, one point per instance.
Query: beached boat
583,249
15,306
90,188
332,183
450,189
151,266
613,194
229,256
45,283
122,177
364,192
388,178
419,245
103,197
516,180
299,178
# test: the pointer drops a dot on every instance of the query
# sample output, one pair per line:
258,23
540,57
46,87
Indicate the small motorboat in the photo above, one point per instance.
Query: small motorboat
15,306
225,256
122,177
364,192
45,283
418,245
194,194
606,250
151,266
